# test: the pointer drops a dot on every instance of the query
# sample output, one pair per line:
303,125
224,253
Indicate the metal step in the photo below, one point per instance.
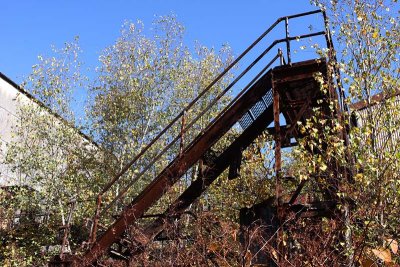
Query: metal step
256,110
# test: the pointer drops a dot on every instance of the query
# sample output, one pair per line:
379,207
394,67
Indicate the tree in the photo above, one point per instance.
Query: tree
141,84
50,156
367,44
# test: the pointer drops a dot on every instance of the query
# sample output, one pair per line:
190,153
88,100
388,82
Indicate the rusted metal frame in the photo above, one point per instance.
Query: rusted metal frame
299,70
287,41
278,166
67,228
293,103
281,57
127,166
200,185
332,57
243,91
305,14
96,217
297,192
175,170
342,96
277,137
324,72
182,135
281,209
298,77
300,37
344,115
194,101
316,209
299,114
251,83
234,167
166,148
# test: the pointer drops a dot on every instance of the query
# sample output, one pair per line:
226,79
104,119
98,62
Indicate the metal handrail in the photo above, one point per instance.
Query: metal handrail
287,40
126,188
128,165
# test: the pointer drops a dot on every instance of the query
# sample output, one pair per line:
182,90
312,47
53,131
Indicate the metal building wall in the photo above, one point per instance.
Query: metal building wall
384,117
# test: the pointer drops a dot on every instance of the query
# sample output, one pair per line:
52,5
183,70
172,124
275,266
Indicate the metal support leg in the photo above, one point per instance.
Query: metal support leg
278,166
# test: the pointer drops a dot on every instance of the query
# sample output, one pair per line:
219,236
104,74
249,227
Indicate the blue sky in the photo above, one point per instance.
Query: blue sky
30,27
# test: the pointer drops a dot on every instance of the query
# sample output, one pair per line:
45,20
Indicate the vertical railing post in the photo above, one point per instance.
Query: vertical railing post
346,171
278,166
95,220
182,134
278,137
281,58
333,60
67,227
287,40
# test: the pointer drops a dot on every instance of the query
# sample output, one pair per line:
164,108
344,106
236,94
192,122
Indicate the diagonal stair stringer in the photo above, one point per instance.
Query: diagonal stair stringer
172,173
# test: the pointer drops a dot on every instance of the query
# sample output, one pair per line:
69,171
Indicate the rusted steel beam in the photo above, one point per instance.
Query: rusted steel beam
277,136
299,70
176,169
315,209
278,164
223,161
293,123
297,192
234,168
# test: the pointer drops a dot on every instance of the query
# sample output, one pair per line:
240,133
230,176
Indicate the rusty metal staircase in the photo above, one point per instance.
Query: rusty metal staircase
279,87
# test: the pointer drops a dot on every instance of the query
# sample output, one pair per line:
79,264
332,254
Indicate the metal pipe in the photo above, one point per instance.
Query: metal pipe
305,14
301,36
93,234
282,59
182,135
287,40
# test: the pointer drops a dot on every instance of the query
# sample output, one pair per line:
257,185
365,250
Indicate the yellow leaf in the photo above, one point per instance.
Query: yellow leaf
274,253
394,245
323,167
359,176
375,34
383,254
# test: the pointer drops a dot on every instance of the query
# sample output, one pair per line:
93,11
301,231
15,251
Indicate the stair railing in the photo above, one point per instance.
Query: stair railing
180,118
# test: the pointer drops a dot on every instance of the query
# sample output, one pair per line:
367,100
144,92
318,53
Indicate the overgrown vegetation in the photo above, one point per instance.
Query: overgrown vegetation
142,83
